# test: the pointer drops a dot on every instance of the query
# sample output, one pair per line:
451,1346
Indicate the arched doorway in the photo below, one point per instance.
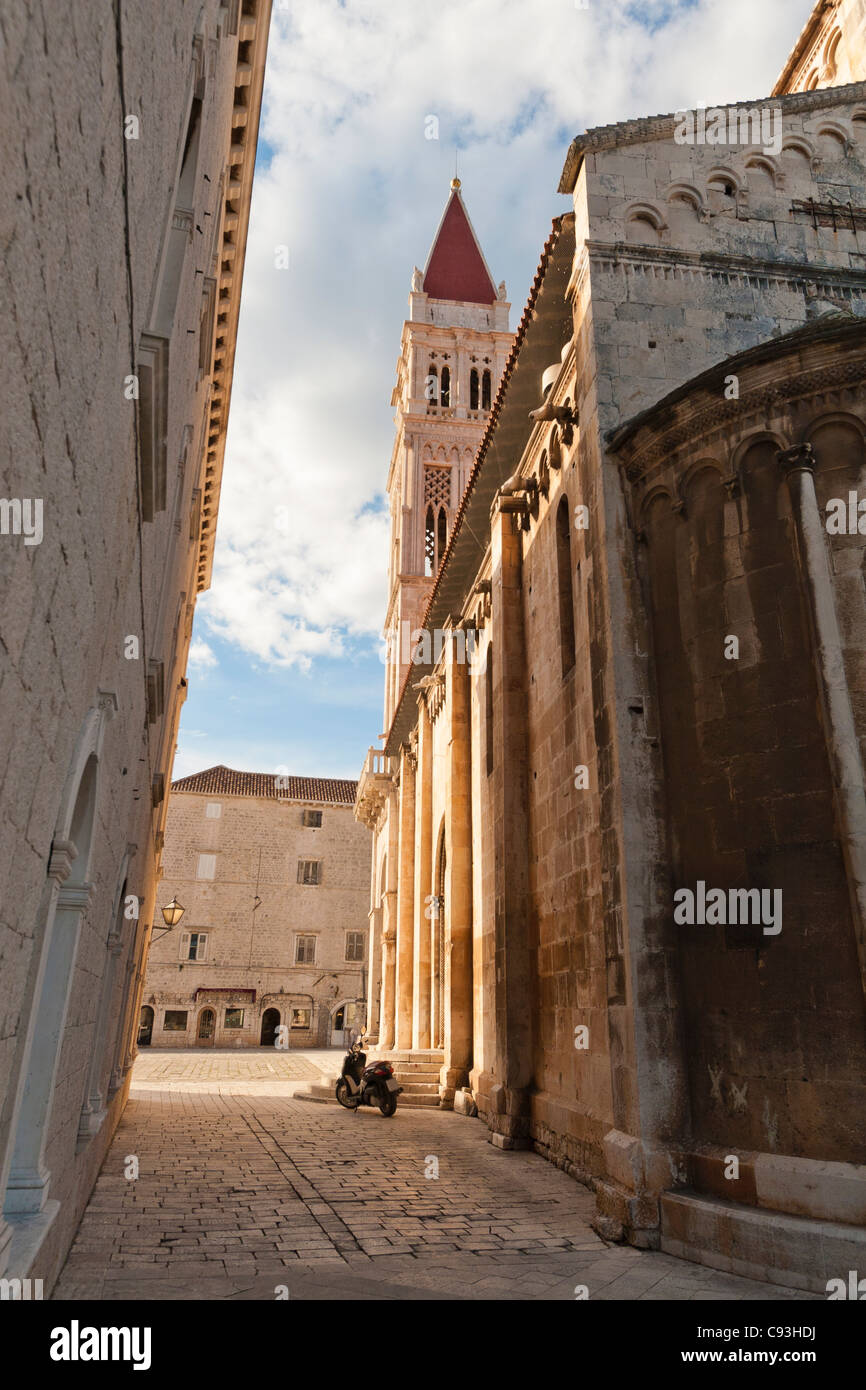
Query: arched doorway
145,1026
206,1028
270,1024
69,895
437,953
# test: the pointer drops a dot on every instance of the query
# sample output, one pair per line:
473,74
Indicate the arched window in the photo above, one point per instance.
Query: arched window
431,386
488,707
442,535
445,393
473,390
485,391
566,590
429,543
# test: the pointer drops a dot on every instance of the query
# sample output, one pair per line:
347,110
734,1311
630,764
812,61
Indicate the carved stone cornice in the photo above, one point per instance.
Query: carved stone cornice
720,418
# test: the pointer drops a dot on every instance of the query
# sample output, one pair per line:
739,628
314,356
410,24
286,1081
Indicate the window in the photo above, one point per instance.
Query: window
309,871
206,866
193,945
311,818
234,1018
431,385
485,391
354,945
473,390
566,592
174,1021
300,1018
435,539
305,950
213,810
445,393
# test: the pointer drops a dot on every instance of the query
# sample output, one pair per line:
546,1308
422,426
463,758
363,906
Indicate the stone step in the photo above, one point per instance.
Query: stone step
322,1093
759,1243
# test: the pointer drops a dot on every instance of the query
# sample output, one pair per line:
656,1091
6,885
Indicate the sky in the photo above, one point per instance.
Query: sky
286,664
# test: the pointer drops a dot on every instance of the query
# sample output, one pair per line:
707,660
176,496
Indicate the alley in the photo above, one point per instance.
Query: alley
244,1191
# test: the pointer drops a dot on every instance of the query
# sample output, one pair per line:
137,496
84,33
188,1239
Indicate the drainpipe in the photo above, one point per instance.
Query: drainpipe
840,731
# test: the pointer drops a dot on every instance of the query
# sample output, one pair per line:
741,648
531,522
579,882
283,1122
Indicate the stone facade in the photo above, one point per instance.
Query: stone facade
666,697
274,876
130,135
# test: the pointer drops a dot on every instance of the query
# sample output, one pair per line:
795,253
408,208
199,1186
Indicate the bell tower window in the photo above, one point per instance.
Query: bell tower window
429,543
431,385
445,393
473,389
485,391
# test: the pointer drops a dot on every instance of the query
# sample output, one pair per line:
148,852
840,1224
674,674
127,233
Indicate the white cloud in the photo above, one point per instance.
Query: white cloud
355,191
201,655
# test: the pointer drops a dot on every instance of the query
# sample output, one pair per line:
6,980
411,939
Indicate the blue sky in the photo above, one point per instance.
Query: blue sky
285,668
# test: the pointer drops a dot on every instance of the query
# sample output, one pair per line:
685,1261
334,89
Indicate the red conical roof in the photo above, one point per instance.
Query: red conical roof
455,267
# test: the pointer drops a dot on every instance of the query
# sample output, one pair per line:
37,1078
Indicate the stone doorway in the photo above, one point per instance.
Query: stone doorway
206,1028
145,1026
270,1024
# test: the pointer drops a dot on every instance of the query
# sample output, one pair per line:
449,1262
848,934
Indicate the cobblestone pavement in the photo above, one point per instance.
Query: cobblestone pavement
246,1193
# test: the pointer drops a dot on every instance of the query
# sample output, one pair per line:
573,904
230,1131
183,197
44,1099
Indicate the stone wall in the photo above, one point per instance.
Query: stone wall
97,615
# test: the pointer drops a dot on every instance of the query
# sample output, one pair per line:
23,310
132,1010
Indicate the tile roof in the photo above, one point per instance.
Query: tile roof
225,781
456,268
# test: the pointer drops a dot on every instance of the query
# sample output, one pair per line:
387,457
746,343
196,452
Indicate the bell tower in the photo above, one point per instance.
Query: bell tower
452,353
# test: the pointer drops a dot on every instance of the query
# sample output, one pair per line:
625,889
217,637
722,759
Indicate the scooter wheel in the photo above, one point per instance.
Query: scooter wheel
388,1104
344,1095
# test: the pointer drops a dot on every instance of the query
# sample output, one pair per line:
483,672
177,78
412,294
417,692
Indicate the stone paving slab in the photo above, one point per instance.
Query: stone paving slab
241,1192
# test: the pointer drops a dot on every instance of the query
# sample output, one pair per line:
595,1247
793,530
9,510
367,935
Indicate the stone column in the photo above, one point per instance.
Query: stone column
458,876
514,972
423,858
406,900
389,925
840,730
374,962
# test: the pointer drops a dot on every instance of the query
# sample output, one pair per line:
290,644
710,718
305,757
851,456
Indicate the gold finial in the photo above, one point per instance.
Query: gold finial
455,183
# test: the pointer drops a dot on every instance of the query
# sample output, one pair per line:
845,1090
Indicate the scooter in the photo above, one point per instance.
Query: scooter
362,1085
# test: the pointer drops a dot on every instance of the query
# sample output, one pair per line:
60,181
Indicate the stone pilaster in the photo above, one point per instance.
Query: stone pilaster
405,900
458,881
423,875
512,1066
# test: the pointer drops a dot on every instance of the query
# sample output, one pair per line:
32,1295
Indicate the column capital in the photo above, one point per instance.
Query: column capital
801,458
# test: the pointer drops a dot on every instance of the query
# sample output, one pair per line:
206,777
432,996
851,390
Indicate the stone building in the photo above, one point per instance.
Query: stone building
274,875
620,815
130,136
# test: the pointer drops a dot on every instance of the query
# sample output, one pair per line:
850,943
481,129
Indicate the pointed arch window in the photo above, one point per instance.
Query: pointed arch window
473,389
431,385
445,392
485,391
566,588
435,539
429,543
